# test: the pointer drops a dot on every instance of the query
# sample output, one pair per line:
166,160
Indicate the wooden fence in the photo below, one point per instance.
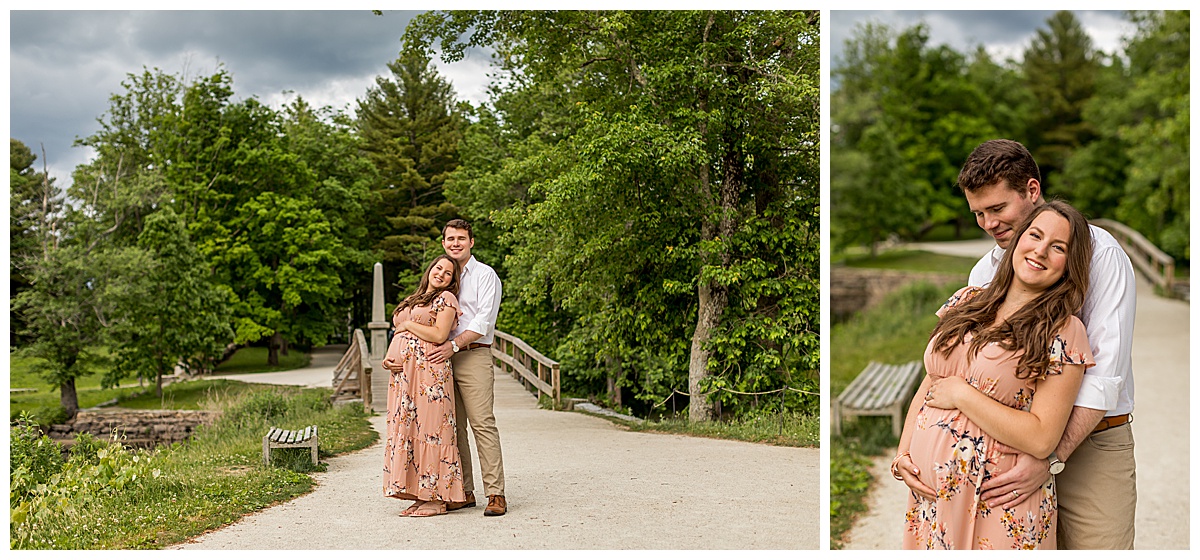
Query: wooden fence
1150,260
352,376
528,366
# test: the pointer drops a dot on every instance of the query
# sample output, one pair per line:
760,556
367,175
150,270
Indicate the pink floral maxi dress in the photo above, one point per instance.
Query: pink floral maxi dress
955,456
421,460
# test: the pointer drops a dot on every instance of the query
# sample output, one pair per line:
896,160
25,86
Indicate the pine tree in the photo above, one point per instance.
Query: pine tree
1061,68
411,130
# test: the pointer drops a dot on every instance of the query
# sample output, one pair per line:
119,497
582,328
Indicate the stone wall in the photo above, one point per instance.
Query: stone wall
141,428
854,289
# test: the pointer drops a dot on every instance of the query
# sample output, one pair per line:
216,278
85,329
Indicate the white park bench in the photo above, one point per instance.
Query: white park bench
880,390
277,439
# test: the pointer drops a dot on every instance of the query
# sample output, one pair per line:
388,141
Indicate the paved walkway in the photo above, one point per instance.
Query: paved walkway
573,481
1161,420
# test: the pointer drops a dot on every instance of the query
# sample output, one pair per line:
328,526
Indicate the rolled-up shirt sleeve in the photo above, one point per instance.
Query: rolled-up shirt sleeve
1108,313
488,295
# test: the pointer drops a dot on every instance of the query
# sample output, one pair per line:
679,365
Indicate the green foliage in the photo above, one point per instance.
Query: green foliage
110,498
1060,68
272,201
411,130
261,407
1110,131
99,471
1138,170
904,118
27,210
638,169
169,311
34,455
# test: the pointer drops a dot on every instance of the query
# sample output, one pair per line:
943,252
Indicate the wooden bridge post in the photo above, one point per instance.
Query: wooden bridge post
554,383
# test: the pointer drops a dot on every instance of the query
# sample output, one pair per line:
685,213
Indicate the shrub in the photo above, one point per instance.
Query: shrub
259,408
33,458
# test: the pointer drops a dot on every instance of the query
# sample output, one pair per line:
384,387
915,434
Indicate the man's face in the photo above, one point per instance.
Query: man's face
998,208
458,244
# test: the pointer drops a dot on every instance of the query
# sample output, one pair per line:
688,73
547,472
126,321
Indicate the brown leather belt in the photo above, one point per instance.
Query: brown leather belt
1112,422
475,345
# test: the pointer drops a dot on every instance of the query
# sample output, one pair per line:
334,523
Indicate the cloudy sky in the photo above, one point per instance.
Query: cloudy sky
64,65
1004,34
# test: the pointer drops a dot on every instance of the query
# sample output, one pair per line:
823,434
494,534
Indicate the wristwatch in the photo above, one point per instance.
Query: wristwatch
454,345
1056,466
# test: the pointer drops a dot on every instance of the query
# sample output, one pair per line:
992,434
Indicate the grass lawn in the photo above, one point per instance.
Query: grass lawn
896,331
184,490
923,261
254,360
791,429
43,402
190,395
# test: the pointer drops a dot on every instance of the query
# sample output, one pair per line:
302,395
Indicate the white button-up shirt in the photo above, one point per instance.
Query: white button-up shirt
479,296
1108,312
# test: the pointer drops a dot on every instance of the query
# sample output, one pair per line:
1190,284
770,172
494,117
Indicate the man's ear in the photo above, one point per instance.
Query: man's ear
1034,188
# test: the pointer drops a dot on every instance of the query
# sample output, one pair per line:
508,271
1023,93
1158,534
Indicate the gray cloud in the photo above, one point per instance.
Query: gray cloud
64,65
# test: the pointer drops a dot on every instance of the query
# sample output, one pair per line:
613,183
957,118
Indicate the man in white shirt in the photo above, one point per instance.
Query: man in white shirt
1097,492
469,348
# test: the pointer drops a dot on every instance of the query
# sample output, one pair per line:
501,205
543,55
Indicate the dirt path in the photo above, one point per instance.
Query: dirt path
1160,430
573,482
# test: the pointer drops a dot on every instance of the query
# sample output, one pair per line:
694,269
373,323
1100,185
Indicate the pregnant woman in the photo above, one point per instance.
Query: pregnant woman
1003,364
421,460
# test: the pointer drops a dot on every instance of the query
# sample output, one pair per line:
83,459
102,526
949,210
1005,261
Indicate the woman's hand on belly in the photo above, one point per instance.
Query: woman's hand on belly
910,474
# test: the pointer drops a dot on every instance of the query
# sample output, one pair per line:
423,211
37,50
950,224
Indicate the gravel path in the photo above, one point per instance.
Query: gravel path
573,482
1160,430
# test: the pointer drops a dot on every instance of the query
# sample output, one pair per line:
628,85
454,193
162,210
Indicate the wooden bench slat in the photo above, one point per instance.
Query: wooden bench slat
880,390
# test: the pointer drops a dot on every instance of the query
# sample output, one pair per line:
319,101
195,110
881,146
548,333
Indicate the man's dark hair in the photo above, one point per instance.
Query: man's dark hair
458,223
997,160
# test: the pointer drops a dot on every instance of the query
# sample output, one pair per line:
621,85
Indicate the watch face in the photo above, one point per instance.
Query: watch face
1057,467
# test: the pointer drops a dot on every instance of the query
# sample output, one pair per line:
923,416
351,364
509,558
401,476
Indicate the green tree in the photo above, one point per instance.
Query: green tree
330,147
671,143
410,130
28,209
1060,68
896,93
66,306
1137,170
282,261
167,310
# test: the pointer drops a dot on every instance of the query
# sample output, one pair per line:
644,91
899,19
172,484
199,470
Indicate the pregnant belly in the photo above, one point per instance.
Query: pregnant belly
951,450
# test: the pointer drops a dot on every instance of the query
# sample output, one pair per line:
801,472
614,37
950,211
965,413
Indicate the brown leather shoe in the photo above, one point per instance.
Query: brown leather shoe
470,502
496,506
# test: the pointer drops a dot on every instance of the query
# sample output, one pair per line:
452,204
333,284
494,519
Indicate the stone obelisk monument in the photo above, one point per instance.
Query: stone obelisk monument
378,344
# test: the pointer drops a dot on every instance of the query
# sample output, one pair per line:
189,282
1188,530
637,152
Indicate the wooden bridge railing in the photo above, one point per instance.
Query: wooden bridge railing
528,366
1147,258
352,375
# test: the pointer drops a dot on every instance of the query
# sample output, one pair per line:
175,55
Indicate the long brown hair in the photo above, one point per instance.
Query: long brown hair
419,298
1031,329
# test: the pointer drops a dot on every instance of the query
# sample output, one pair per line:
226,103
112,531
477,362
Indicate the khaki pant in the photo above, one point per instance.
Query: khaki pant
1097,493
474,395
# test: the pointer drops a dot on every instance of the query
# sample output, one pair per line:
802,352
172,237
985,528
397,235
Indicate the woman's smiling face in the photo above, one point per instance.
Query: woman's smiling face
1040,258
441,274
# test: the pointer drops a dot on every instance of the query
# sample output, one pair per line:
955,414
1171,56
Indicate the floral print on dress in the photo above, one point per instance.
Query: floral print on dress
421,460
956,457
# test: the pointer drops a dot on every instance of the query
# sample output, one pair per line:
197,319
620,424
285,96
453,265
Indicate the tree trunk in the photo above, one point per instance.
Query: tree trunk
68,397
614,375
273,349
712,304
